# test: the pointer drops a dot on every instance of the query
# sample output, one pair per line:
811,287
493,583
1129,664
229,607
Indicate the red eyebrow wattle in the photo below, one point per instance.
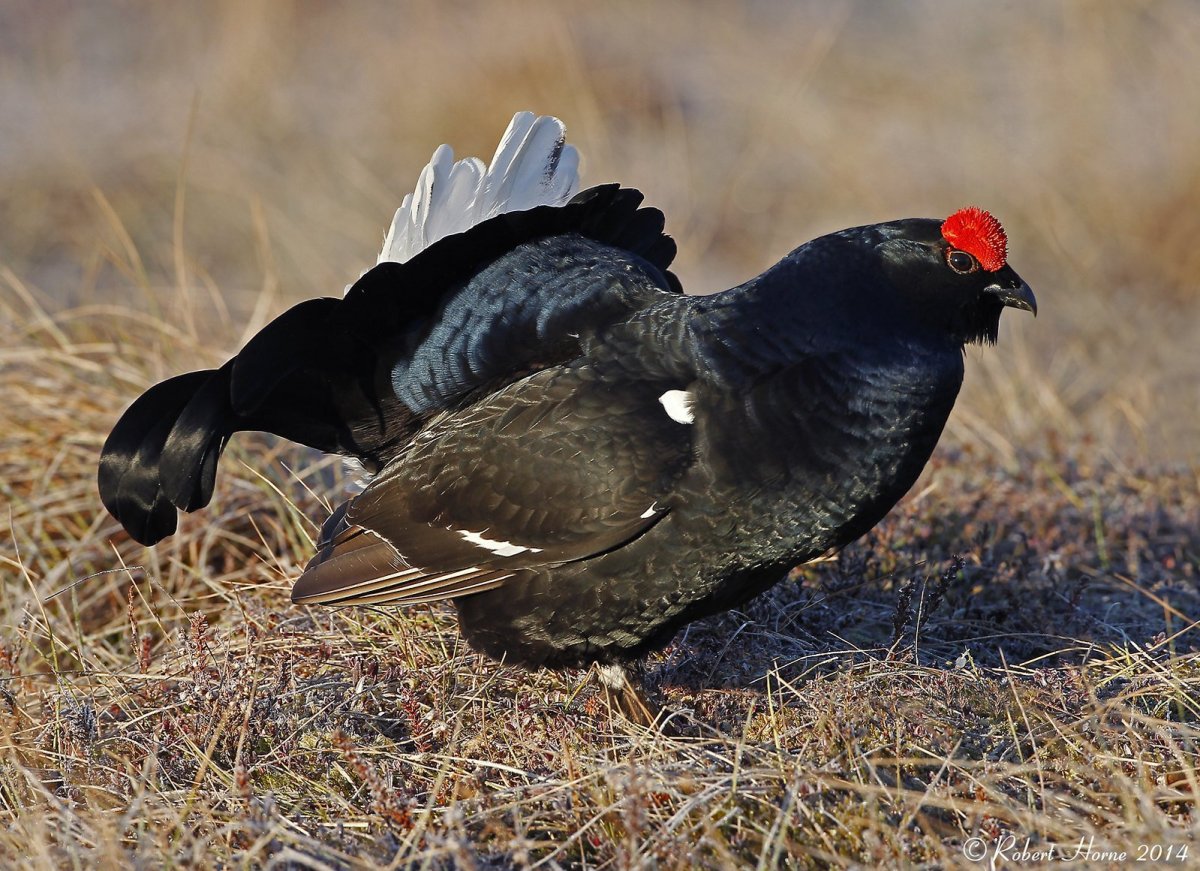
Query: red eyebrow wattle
978,233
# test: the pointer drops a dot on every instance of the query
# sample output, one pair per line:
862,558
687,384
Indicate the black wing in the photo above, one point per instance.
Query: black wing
561,466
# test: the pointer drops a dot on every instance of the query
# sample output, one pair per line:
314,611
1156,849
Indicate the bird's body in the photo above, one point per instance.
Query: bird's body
579,456
774,461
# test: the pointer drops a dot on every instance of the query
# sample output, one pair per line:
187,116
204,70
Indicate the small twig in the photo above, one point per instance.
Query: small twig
903,614
75,584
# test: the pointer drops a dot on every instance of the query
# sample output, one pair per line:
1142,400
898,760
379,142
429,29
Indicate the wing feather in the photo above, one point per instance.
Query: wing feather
521,481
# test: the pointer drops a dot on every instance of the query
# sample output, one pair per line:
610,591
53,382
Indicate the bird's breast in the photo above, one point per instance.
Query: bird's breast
813,456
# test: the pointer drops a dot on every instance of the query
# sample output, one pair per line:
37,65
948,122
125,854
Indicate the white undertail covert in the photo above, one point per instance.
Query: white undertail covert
533,166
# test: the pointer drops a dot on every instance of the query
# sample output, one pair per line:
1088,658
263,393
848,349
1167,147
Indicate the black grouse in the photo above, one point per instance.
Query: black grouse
579,456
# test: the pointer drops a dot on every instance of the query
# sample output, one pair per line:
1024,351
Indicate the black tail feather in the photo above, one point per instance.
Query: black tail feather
129,478
305,377
188,461
263,364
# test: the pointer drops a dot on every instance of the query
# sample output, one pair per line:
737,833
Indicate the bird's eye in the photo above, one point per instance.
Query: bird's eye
961,262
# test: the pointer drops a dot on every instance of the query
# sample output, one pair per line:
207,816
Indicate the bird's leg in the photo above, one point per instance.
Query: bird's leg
630,697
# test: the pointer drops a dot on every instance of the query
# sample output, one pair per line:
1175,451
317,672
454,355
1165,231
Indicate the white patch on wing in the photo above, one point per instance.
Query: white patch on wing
649,512
499,548
678,405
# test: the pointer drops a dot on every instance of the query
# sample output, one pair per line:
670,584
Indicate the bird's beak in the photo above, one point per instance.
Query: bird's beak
1014,293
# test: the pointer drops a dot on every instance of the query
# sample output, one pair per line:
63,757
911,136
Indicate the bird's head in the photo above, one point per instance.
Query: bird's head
953,275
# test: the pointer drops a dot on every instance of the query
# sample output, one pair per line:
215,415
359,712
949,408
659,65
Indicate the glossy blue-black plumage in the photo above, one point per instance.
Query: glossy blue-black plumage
579,456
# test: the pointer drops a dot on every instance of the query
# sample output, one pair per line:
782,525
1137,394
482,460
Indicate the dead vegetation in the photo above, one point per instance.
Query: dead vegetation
1011,656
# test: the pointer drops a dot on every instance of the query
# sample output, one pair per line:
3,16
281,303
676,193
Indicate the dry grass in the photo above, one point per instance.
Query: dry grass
1012,653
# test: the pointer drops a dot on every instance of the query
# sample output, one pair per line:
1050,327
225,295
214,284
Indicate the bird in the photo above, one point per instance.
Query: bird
554,437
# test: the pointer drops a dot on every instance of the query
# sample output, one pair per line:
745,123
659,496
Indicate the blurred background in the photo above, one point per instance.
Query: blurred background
211,163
